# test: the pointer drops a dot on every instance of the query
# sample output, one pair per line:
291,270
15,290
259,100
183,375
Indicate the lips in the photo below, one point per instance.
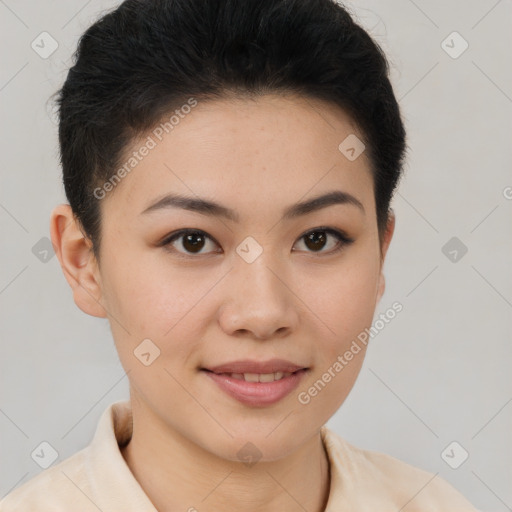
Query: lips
257,383
272,366
257,377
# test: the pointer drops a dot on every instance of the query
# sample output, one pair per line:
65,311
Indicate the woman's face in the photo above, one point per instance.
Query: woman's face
254,286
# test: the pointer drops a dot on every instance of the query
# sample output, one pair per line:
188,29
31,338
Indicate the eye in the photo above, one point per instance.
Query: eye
193,241
318,238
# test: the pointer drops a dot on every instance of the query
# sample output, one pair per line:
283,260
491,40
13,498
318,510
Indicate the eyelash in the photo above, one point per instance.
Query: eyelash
343,240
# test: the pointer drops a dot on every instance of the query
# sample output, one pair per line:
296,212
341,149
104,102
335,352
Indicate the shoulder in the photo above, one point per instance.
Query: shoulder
57,488
382,481
85,481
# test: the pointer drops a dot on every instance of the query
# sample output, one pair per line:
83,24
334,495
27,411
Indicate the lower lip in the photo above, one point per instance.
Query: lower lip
257,393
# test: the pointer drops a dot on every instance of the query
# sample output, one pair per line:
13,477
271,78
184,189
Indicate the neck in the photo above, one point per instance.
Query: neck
177,474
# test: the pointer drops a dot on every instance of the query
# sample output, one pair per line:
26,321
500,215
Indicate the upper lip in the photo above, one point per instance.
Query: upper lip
248,366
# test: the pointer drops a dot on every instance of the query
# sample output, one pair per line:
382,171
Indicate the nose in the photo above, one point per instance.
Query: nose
260,302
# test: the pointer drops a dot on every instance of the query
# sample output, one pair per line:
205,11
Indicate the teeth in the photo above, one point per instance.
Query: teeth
259,377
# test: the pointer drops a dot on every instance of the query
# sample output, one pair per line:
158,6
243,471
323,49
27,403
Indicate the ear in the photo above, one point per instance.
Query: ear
388,235
74,251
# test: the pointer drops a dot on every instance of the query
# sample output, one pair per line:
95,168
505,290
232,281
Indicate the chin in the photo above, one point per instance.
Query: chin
251,445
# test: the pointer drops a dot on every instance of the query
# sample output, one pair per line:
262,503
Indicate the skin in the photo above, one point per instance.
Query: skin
256,157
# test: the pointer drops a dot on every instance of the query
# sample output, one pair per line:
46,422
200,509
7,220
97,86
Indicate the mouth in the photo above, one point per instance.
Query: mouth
257,377
247,366
257,384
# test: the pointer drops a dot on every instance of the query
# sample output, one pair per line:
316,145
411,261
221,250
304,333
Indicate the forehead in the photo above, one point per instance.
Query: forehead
254,153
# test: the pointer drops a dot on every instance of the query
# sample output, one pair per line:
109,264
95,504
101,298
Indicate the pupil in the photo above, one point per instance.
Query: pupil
191,239
194,242
317,240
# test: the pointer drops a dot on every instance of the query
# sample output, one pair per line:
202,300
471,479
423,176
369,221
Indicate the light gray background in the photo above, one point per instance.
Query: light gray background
439,372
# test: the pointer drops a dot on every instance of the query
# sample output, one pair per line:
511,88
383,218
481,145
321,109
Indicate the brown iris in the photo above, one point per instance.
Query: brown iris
193,242
315,240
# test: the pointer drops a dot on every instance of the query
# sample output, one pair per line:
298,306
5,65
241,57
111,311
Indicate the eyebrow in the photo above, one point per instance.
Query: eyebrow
208,207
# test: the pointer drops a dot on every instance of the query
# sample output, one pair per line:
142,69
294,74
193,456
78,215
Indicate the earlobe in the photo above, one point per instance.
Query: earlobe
381,287
385,245
388,235
73,249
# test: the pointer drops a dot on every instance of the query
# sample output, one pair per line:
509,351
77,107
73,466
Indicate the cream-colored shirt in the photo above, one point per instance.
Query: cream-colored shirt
97,478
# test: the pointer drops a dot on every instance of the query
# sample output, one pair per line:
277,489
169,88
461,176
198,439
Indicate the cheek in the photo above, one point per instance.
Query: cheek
147,293
345,301
164,303
345,309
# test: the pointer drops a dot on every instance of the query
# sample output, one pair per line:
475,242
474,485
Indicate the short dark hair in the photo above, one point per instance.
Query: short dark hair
147,57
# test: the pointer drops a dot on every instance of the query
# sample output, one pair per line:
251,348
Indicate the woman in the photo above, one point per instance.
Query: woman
229,168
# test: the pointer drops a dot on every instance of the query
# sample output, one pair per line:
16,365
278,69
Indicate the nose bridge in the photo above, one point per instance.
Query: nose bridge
260,277
260,301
